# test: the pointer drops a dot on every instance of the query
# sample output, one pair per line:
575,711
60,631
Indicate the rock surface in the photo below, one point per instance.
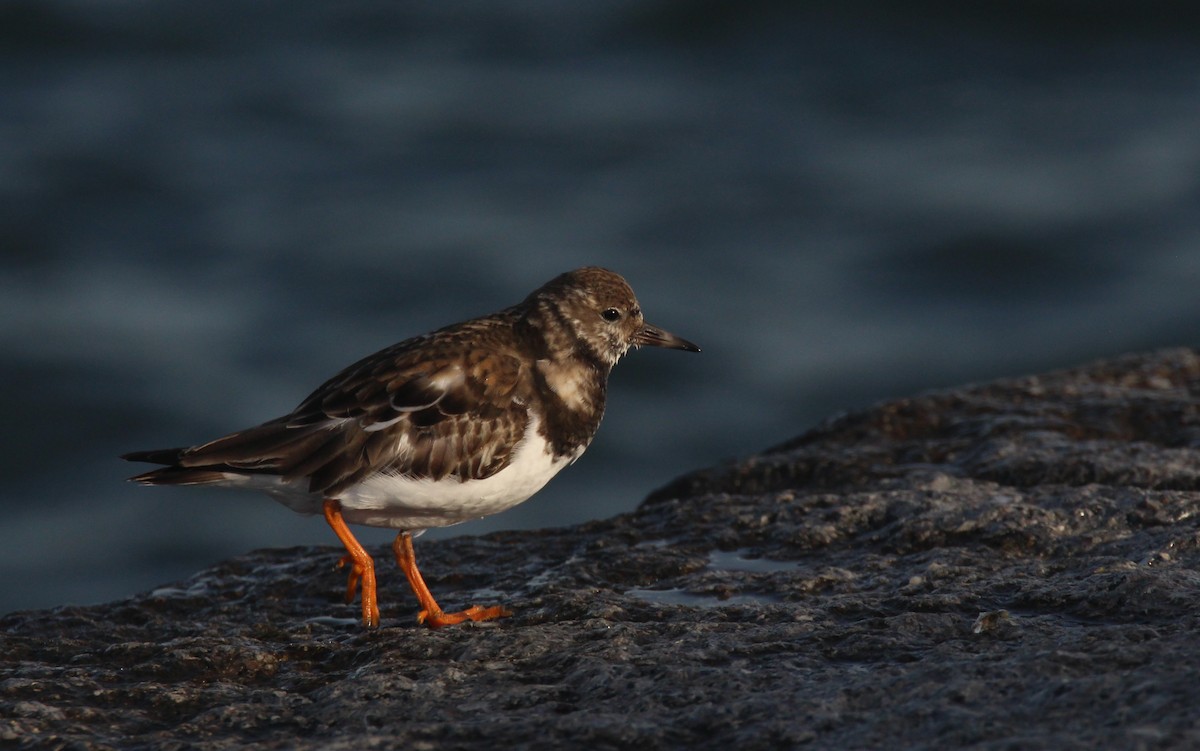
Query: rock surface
1009,565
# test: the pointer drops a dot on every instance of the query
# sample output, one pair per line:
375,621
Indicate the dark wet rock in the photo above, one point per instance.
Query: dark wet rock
1009,565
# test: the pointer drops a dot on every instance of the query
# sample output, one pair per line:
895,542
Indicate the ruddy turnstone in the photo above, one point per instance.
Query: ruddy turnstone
466,421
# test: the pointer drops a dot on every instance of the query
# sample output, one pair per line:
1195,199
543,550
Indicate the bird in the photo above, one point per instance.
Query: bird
457,424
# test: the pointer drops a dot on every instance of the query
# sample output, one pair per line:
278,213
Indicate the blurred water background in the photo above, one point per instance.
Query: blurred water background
208,208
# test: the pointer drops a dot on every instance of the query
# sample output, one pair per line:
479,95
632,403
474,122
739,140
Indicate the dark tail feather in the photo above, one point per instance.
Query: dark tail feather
172,474
180,476
157,456
271,448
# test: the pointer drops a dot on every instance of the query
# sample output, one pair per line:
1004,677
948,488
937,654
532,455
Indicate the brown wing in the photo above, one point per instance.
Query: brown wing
401,411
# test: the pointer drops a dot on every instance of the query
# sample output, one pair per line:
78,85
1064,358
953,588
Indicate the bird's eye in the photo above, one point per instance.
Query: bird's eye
611,315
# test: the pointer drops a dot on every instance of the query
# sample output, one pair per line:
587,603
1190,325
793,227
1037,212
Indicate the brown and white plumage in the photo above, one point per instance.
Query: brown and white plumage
460,423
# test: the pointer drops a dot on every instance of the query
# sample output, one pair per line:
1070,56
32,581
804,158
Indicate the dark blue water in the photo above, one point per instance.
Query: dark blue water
208,208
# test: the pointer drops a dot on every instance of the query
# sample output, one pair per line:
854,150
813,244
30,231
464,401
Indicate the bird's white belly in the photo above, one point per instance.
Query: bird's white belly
400,502
407,503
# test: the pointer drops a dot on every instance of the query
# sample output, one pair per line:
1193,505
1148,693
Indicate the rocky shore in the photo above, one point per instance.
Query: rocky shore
1012,565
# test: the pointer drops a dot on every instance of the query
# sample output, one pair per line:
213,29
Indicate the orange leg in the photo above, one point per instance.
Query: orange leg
362,568
431,615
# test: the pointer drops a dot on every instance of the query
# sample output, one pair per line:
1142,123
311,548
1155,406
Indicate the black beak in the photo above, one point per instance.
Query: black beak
656,337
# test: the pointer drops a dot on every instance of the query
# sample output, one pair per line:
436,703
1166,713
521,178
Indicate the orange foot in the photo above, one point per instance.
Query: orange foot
356,573
362,568
431,614
473,613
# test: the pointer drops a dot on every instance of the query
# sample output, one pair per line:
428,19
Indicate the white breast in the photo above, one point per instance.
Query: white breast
399,502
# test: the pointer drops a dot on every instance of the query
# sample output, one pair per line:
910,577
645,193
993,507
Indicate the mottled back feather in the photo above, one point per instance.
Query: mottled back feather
408,410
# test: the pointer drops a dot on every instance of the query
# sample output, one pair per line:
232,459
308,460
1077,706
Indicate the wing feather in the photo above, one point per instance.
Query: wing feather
400,411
